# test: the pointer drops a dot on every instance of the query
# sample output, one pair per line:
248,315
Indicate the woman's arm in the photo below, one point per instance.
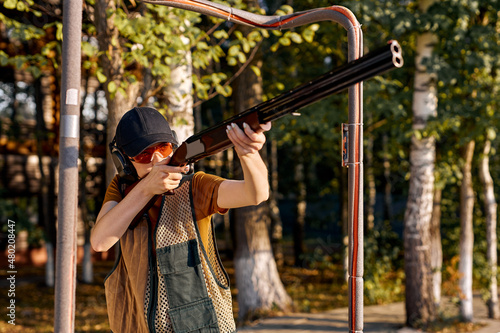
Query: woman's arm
254,188
115,217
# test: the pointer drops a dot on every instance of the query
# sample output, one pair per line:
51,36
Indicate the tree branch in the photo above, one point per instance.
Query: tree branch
238,73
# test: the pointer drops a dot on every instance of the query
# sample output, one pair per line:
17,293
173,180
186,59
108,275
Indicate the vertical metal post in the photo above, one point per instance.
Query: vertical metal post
355,189
69,134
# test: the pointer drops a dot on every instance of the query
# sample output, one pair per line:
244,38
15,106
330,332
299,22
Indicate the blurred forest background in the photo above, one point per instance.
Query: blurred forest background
430,142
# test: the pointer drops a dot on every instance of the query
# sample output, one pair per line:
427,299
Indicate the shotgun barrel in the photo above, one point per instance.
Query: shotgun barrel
214,139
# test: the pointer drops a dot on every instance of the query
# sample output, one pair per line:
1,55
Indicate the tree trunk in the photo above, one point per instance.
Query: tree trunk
370,178
466,235
179,94
87,267
300,207
387,177
257,279
344,213
436,247
113,68
229,228
44,216
276,223
420,307
50,266
490,207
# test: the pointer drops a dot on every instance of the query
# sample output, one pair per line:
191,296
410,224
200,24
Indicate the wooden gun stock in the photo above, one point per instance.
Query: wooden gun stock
214,139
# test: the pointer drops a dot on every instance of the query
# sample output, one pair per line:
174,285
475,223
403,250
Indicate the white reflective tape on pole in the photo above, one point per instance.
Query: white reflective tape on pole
72,97
70,126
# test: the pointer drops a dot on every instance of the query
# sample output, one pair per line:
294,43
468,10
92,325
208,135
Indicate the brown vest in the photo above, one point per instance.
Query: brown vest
183,289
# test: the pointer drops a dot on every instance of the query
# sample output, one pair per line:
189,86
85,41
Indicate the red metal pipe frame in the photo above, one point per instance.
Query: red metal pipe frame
347,19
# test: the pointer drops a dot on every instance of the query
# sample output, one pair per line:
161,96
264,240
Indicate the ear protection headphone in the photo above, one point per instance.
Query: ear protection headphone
122,163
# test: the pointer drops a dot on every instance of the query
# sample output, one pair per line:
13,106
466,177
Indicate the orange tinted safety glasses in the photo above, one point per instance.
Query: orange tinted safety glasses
146,156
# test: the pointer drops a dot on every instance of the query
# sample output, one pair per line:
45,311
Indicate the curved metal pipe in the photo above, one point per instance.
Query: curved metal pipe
338,14
346,18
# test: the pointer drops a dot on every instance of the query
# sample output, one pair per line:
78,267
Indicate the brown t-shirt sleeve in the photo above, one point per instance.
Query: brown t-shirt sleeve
113,191
205,194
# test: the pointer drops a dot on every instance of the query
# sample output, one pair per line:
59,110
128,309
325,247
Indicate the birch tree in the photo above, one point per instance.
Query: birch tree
466,234
180,99
436,245
470,71
420,307
490,207
300,204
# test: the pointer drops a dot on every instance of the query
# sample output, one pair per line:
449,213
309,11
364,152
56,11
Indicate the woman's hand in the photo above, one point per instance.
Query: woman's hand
162,178
247,141
254,188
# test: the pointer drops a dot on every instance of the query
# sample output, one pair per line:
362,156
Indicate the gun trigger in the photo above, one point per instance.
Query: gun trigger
191,169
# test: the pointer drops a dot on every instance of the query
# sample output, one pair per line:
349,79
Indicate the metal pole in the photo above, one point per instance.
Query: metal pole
68,168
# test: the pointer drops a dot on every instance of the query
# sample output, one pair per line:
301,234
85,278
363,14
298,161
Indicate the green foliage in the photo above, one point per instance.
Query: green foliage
21,32
387,98
150,36
466,64
20,5
16,211
21,210
384,273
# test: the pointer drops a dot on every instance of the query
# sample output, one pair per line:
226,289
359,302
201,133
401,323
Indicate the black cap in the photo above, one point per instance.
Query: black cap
140,128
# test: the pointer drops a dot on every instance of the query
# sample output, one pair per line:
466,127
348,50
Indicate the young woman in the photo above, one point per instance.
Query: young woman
168,276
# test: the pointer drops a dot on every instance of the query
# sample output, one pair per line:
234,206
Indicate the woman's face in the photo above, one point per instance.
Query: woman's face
150,156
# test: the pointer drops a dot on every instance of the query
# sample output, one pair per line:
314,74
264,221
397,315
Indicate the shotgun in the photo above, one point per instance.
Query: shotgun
214,139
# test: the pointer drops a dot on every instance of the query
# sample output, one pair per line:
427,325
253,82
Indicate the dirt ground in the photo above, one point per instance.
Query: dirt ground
377,319
312,290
